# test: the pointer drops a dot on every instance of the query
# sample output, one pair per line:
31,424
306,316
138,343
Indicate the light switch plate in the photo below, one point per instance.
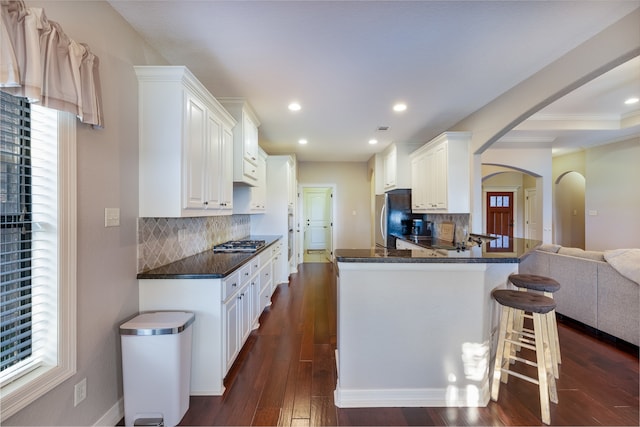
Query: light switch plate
111,217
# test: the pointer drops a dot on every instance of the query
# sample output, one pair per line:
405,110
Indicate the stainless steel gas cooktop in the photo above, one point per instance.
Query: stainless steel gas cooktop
239,246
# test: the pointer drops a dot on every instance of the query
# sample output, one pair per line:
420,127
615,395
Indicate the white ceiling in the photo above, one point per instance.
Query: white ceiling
347,62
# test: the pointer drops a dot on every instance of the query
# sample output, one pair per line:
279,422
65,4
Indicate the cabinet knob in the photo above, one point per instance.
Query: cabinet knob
206,203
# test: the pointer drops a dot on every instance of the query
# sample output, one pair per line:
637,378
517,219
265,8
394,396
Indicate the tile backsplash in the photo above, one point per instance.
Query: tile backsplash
164,240
461,221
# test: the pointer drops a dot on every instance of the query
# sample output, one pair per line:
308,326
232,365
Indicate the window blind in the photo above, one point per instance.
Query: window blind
29,223
16,225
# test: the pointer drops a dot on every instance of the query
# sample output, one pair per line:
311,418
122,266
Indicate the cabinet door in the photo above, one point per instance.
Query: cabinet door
254,290
244,299
250,139
196,147
259,192
226,169
441,183
232,317
390,172
436,178
214,163
292,182
419,177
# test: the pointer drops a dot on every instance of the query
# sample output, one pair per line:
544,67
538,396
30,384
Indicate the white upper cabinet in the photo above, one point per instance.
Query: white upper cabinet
245,141
185,151
393,168
252,200
390,168
440,175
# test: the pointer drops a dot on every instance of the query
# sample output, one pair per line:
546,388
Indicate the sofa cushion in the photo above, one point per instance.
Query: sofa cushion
625,262
549,248
581,253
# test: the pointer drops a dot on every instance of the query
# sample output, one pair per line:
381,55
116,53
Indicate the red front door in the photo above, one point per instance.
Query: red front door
500,213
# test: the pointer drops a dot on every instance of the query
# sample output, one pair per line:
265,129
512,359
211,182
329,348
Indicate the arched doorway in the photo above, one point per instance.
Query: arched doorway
518,189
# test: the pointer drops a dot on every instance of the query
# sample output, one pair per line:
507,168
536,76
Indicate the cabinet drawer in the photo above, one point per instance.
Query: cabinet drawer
255,264
230,285
245,273
265,257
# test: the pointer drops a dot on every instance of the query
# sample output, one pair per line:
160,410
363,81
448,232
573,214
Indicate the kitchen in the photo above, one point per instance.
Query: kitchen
107,167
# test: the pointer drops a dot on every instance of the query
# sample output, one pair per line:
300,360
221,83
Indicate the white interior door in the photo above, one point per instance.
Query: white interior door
317,219
530,214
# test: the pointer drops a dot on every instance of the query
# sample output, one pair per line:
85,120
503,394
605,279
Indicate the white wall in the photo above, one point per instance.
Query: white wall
612,194
107,290
352,222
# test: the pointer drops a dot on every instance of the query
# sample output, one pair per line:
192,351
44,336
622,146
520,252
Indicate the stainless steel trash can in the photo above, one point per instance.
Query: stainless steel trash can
156,366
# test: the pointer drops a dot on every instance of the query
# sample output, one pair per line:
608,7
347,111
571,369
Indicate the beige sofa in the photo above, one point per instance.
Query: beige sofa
592,291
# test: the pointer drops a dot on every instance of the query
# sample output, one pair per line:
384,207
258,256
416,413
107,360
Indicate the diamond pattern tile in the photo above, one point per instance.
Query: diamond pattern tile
164,240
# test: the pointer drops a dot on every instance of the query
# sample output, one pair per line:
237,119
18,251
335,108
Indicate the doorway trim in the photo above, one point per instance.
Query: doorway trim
500,189
300,227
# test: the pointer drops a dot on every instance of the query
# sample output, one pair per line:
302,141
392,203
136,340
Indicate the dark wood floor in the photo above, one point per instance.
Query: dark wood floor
285,375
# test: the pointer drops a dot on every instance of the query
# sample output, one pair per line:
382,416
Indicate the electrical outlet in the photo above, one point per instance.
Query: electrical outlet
80,392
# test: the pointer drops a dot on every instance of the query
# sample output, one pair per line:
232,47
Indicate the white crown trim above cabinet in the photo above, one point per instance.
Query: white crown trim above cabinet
245,141
440,175
185,146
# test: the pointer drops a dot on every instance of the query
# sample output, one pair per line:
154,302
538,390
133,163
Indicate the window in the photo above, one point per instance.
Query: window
38,242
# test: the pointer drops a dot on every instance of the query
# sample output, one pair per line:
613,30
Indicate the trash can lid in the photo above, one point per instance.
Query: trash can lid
158,323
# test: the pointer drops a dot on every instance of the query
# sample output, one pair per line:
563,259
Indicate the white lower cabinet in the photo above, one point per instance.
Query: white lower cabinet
232,318
226,311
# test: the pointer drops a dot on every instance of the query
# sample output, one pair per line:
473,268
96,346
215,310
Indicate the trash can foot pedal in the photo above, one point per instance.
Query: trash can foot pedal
156,422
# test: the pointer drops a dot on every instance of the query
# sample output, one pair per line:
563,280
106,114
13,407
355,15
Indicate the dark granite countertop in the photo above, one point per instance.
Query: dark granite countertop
207,264
502,250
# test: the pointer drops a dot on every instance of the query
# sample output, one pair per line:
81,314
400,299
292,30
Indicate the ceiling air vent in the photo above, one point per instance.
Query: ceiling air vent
383,128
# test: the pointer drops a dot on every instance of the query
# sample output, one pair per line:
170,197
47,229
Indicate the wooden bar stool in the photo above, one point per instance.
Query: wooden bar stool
541,308
547,286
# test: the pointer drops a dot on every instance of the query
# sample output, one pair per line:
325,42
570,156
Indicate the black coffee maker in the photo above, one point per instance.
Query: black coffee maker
420,227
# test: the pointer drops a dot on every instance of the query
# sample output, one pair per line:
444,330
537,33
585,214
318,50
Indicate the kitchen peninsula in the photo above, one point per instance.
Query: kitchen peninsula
415,327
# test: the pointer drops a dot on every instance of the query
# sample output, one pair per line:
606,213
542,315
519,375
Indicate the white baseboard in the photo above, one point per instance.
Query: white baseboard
449,397
113,415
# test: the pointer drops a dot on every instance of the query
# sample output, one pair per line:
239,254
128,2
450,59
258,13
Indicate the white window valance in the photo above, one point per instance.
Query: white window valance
38,61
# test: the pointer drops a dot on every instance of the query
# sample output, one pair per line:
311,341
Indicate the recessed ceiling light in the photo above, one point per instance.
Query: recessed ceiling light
294,106
302,141
630,101
373,141
400,107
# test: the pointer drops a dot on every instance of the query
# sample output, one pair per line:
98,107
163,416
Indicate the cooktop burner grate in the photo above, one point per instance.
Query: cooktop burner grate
239,246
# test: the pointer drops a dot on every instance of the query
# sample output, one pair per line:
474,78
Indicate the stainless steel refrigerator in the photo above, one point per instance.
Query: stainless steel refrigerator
393,216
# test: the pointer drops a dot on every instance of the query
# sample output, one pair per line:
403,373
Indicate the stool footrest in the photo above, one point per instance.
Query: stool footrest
522,376
521,344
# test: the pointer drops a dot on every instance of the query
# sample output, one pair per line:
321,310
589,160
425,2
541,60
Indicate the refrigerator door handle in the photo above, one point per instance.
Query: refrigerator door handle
383,226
